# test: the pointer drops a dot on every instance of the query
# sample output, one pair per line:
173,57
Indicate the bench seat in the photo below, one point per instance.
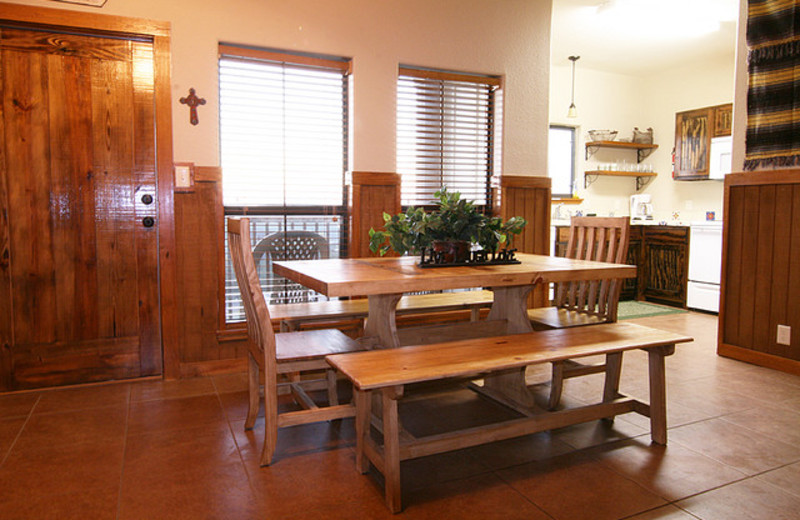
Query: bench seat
292,315
561,318
386,372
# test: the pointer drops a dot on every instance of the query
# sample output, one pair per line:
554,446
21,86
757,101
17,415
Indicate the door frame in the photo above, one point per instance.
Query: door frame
159,34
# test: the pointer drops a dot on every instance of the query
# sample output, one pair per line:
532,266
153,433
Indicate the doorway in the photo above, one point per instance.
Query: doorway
79,186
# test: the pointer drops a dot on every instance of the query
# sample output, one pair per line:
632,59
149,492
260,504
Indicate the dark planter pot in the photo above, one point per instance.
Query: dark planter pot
453,251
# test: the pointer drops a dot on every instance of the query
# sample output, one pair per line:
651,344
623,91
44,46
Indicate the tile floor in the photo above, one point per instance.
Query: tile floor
178,450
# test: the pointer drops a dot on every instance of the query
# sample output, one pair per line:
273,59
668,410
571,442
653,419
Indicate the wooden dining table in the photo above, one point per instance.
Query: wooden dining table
384,281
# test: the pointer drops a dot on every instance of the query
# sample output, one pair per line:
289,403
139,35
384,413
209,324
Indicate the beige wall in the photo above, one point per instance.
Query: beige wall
620,102
508,38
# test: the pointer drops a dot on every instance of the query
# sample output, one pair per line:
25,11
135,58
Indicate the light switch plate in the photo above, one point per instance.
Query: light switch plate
784,335
184,176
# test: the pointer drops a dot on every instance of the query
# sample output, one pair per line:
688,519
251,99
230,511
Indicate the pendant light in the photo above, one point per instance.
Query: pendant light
573,112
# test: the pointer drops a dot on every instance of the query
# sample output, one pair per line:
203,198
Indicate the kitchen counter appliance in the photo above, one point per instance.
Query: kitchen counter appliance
641,208
705,265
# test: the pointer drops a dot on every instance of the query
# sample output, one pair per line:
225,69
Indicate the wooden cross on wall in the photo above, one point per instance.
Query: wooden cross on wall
193,101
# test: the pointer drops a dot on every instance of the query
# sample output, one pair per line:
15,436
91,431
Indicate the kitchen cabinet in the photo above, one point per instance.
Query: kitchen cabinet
694,130
661,255
630,289
664,265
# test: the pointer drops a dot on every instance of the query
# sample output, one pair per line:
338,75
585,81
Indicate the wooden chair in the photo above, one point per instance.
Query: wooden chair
282,353
587,302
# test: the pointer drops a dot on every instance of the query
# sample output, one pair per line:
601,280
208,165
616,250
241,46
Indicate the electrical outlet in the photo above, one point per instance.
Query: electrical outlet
784,335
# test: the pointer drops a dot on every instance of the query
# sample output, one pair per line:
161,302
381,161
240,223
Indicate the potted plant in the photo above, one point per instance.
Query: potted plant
449,231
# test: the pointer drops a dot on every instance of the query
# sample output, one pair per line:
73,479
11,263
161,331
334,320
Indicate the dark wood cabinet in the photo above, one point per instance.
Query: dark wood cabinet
630,289
694,130
664,264
661,255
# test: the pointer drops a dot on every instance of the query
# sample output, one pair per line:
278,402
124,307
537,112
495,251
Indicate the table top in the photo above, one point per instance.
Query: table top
367,276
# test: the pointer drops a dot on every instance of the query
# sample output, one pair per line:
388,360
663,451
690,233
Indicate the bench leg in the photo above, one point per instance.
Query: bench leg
363,401
333,393
475,314
391,448
556,385
613,373
658,393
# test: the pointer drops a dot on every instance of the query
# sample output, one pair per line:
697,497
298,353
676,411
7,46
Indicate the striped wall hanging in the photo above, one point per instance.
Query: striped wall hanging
773,95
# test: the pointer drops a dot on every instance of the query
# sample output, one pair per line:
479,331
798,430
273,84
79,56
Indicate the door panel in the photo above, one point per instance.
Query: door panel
79,153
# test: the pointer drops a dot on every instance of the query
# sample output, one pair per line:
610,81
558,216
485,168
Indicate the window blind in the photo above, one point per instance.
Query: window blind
283,132
447,134
284,156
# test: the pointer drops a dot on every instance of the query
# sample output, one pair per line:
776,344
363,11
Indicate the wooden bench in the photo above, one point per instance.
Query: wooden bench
292,315
387,372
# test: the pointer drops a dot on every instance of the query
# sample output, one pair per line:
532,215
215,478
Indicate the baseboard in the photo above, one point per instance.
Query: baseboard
213,367
759,358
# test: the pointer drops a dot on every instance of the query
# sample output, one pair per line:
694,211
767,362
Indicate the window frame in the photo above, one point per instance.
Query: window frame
339,210
573,158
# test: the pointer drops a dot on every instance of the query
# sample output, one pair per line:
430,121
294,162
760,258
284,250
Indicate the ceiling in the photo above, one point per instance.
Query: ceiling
639,37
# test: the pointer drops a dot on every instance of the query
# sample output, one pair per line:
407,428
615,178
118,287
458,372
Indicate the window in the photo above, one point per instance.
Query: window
448,130
284,156
561,160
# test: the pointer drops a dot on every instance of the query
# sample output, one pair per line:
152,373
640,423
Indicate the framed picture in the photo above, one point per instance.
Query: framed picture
723,120
692,143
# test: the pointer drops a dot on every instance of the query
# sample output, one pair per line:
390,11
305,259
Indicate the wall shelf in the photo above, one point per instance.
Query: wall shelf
642,178
642,149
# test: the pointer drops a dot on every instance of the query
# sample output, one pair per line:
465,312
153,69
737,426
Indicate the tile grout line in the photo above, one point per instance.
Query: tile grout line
496,473
673,504
124,449
233,436
668,500
748,428
19,433
775,485
715,459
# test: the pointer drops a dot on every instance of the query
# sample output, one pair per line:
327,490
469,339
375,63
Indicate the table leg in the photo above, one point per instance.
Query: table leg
658,393
510,303
381,320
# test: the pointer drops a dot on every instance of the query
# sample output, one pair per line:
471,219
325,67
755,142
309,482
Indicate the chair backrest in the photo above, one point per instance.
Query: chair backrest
289,245
292,245
259,326
603,239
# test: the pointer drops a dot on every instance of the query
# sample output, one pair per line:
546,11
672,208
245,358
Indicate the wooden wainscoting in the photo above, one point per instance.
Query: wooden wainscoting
761,274
200,228
373,194
528,197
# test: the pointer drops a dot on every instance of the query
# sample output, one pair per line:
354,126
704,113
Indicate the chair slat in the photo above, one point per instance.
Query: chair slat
301,351
587,302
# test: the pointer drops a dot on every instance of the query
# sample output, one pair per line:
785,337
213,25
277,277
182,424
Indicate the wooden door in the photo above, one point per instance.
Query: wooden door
78,230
